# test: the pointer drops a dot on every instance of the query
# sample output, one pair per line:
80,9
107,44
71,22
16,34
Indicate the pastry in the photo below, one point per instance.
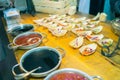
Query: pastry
105,42
77,30
88,49
94,38
97,30
84,33
59,33
77,42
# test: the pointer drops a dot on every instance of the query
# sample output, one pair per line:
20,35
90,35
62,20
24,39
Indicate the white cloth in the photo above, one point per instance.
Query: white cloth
84,6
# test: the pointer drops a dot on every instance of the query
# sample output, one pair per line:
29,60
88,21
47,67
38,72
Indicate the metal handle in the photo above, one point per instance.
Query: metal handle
13,69
61,50
22,75
97,77
44,37
13,47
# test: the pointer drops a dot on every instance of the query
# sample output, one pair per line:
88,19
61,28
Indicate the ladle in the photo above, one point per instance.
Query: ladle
23,75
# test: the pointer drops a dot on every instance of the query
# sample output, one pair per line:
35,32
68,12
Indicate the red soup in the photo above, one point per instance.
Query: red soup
28,39
68,76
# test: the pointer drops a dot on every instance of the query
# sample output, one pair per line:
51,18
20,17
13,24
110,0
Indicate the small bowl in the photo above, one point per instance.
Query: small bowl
116,26
21,29
27,40
70,74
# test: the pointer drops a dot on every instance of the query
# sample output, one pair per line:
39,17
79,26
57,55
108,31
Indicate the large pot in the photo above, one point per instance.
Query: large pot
70,74
27,40
46,57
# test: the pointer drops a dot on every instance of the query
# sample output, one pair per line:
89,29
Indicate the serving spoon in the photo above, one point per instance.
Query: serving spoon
23,75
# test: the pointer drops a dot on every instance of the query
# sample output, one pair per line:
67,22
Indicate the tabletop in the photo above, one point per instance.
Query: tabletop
95,64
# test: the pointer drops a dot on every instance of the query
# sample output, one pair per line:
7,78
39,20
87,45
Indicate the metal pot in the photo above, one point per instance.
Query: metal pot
21,29
71,70
46,57
27,40
116,26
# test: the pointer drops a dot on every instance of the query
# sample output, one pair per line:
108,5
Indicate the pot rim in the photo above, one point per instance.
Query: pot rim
27,33
42,73
69,70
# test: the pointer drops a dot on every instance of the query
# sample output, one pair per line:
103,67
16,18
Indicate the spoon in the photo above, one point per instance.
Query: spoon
23,75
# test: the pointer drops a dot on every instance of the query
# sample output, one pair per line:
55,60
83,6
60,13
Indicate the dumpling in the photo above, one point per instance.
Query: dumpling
77,42
88,49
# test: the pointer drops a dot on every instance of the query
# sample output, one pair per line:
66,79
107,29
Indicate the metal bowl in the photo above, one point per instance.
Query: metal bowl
47,58
70,74
27,40
116,26
21,29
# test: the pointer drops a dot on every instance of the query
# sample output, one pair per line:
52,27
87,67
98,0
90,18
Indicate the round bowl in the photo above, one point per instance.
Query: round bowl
45,57
21,29
27,40
70,74
116,26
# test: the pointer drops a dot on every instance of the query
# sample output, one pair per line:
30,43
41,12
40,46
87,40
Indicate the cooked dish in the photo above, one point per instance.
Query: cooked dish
28,39
68,76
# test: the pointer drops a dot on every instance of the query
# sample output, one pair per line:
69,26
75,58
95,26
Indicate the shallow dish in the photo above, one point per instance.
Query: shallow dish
21,29
77,75
27,40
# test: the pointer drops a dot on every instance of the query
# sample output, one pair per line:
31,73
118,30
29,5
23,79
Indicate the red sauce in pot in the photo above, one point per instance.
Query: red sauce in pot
68,76
28,39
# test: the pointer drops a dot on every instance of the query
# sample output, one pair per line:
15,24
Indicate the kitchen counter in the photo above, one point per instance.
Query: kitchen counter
95,64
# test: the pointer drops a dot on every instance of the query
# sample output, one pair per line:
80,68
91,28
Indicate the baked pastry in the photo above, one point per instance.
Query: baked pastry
59,33
77,42
77,30
95,38
88,49
97,30
105,42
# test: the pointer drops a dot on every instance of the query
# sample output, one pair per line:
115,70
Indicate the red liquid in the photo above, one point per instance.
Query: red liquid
25,40
68,76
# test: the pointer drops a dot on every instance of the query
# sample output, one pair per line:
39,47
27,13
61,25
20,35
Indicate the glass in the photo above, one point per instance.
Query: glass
109,51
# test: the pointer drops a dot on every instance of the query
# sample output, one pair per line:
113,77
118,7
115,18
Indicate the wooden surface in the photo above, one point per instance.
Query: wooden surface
95,64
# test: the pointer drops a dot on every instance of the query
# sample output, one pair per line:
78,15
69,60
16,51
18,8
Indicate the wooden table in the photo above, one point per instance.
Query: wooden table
95,64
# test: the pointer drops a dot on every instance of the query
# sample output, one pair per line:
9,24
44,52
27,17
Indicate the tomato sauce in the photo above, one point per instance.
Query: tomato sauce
68,76
28,39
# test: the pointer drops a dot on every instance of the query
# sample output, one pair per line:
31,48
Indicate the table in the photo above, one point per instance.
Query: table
95,64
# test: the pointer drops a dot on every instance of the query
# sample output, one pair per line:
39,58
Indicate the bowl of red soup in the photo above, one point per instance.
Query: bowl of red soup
70,74
27,40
